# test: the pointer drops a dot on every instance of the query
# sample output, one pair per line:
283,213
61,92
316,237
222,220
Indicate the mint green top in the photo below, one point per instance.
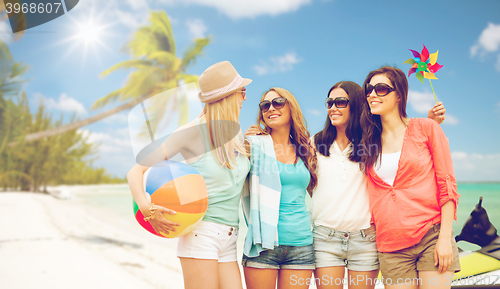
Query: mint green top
294,225
224,186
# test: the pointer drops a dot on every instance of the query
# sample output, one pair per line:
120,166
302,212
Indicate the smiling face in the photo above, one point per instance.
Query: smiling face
382,105
339,116
276,117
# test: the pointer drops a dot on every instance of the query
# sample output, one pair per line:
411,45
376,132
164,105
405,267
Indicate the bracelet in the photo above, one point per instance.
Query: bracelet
151,214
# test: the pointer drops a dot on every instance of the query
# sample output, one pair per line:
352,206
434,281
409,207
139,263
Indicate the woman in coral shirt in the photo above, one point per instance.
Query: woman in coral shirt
412,188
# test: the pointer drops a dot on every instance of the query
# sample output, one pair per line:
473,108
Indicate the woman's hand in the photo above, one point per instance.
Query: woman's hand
159,223
443,254
253,130
437,112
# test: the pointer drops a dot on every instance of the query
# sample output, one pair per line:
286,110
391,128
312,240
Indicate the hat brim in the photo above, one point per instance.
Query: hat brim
245,82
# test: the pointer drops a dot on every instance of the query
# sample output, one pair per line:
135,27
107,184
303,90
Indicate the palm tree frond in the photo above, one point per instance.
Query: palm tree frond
193,52
187,78
163,31
136,63
163,57
107,99
141,82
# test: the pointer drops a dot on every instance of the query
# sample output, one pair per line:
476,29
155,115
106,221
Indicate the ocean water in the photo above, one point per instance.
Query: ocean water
117,200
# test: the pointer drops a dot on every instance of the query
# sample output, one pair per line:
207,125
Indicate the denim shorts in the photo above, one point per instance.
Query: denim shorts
357,250
283,257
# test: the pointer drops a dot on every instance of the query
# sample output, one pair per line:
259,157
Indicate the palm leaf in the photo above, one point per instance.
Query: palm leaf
136,63
107,99
141,82
187,78
193,52
164,58
163,30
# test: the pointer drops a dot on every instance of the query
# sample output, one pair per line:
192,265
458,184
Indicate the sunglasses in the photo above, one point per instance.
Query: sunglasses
381,89
340,102
243,92
278,102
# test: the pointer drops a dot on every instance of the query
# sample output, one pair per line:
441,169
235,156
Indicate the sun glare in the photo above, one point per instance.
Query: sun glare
87,37
89,32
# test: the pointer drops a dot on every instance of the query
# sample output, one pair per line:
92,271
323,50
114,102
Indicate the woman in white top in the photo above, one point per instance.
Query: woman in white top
343,234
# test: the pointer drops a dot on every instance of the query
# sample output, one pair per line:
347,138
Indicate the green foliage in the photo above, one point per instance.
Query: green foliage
60,159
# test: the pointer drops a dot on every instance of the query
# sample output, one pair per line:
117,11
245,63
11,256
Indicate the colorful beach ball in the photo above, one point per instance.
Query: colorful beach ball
178,187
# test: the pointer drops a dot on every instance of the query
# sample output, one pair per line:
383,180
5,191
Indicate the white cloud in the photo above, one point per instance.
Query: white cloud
476,167
130,13
108,143
314,112
488,42
451,120
64,103
474,49
458,156
278,64
197,28
247,8
421,101
5,32
138,4
490,38
131,20
114,150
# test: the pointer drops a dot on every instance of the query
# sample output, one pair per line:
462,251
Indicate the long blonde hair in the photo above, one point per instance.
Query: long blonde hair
298,133
223,119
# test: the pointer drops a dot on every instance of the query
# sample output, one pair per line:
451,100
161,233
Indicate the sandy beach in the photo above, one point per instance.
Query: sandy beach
86,237
46,242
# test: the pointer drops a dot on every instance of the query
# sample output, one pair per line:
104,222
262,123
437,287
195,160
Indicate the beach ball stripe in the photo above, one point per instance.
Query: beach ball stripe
178,187
187,221
165,172
168,195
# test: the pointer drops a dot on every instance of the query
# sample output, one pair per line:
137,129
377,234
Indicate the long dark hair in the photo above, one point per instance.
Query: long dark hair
372,141
324,139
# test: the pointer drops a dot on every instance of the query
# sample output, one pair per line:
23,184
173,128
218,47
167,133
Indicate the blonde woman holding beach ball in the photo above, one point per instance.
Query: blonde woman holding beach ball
208,253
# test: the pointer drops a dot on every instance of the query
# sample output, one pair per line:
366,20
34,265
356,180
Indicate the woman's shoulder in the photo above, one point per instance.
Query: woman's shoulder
259,138
423,123
195,122
186,133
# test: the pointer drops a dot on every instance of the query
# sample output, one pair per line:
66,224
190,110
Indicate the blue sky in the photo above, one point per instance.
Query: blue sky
305,46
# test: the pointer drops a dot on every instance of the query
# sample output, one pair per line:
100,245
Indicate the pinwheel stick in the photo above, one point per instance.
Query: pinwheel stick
434,94
433,91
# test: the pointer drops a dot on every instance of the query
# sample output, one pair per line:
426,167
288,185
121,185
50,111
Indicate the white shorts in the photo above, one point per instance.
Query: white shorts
209,241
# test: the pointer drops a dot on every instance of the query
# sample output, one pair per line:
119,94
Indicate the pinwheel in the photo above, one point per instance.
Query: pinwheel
424,66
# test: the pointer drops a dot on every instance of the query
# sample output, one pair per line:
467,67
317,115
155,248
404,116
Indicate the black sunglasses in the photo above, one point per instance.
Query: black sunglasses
278,102
340,102
381,89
